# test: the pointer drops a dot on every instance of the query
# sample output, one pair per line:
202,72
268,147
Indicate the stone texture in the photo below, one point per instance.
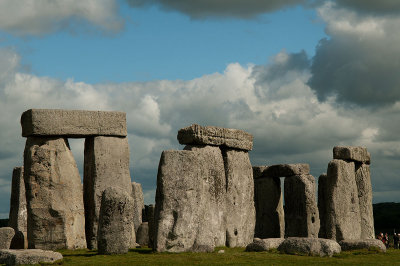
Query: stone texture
310,246
240,210
53,194
363,181
217,136
322,202
18,213
283,170
342,209
152,225
72,123
28,256
106,164
190,200
6,235
268,201
115,222
137,195
351,153
258,171
370,244
301,211
142,234
264,244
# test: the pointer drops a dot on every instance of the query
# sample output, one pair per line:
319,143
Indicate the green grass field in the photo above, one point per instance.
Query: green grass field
232,256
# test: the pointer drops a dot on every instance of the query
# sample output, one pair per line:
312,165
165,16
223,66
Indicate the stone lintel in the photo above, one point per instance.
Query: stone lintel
73,123
352,153
286,170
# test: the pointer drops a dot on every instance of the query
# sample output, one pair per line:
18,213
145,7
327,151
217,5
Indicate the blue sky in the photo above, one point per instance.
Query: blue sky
302,76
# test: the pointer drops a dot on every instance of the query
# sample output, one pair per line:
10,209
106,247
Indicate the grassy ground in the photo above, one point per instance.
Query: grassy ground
232,256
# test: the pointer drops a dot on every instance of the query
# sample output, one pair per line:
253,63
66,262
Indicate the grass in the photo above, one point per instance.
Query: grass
232,256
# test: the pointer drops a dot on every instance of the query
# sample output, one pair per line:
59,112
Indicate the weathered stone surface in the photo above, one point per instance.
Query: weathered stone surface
115,223
370,244
18,213
264,244
209,135
352,153
190,200
152,225
6,235
258,171
342,209
54,195
363,181
310,246
240,210
284,170
268,201
301,211
28,256
322,201
106,164
137,195
72,123
142,235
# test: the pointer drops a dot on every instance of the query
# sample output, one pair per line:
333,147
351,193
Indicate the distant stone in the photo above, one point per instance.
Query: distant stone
6,235
18,213
258,171
72,123
115,223
137,195
264,244
310,246
54,195
152,225
284,170
28,256
301,211
240,210
370,244
268,200
363,181
322,202
342,209
106,165
142,234
217,136
352,153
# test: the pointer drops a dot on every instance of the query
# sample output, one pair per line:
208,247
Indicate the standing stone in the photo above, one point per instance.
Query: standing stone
142,235
342,209
322,201
240,210
363,181
151,223
115,223
18,213
106,164
6,235
54,195
301,211
190,200
137,195
270,218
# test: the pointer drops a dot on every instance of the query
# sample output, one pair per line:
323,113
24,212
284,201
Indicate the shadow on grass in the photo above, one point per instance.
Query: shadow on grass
141,250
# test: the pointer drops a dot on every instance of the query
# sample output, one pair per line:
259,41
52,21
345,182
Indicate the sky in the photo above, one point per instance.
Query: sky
301,76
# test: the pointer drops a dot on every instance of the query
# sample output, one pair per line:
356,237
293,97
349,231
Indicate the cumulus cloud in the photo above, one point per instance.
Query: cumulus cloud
25,17
372,6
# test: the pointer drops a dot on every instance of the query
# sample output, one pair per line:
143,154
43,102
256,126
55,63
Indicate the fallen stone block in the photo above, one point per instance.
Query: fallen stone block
264,244
370,244
216,136
28,256
72,123
6,235
284,170
310,246
352,153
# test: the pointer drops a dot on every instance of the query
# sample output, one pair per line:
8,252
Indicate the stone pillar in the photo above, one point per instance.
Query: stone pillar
54,195
301,211
18,212
322,202
364,187
268,200
106,164
152,225
137,195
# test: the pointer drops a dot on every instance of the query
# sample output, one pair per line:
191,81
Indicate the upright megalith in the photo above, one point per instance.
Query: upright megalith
137,195
151,224
268,200
106,164
322,201
301,211
115,222
18,213
54,195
